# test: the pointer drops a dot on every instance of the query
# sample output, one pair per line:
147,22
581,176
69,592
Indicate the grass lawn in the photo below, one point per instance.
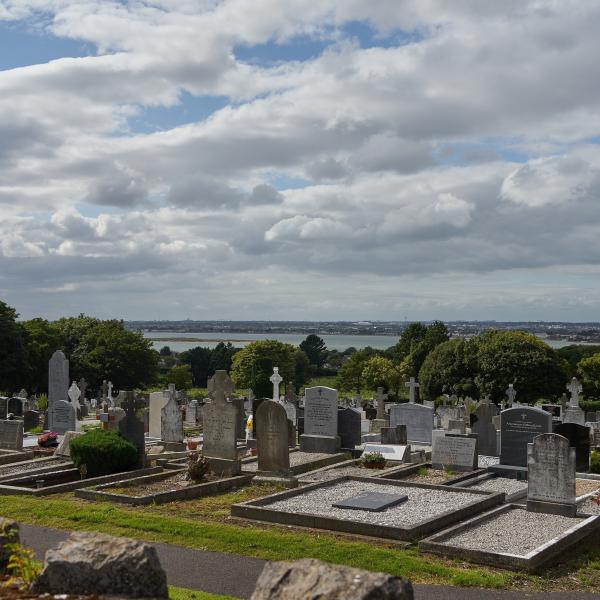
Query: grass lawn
176,593
205,524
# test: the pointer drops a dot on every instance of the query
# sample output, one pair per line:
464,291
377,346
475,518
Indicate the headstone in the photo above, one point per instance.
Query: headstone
418,420
276,379
394,435
191,413
573,413
349,420
220,387
272,440
412,386
551,475
291,411
518,427
157,402
131,426
11,435
31,419
447,414
579,438
58,378
61,417
64,448
3,407
485,429
457,426
320,421
15,406
241,422
511,394
380,399
455,452
171,422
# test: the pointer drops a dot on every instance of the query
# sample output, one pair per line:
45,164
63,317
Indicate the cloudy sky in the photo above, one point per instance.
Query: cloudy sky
293,159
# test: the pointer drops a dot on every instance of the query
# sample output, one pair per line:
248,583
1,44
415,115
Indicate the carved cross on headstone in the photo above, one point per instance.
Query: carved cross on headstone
412,385
511,394
276,379
220,386
380,397
82,385
575,388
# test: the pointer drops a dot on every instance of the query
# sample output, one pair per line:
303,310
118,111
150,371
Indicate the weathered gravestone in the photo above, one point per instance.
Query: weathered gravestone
456,452
483,425
58,377
11,435
447,414
394,435
320,421
15,406
551,475
272,439
349,427
573,413
457,426
31,419
61,416
3,407
156,403
131,427
191,413
171,424
220,428
518,427
412,386
418,420
579,438
241,422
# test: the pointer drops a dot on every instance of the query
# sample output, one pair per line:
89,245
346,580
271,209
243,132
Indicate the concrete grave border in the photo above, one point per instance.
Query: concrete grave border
532,561
378,473
411,469
257,510
13,456
330,459
49,468
102,492
11,487
474,479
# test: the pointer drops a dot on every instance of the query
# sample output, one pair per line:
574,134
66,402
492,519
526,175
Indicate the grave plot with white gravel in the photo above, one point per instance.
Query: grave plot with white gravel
514,489
511,537
300,462
381,508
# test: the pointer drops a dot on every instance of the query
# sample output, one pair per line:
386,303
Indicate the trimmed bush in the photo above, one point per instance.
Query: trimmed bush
595,462
103,452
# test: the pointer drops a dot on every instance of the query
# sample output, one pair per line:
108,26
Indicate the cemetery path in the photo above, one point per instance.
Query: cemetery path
235,575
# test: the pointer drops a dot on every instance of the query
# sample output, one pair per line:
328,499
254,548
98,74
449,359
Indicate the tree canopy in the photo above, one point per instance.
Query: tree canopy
14,366
315,349
588,370
416,342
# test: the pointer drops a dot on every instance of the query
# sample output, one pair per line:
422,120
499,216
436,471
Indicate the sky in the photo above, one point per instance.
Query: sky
293,159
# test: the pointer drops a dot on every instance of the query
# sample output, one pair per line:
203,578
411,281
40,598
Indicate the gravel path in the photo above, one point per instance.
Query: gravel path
500,484
513,532
296,458
422,504
15,469
585,486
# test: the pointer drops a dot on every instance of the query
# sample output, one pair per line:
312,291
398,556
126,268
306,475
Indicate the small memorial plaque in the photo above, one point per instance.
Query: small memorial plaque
371,501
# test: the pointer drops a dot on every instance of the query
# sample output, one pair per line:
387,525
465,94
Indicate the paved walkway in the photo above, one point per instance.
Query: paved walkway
235,575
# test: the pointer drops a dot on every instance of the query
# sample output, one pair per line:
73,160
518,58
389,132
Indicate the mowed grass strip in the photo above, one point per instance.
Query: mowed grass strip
265,543
177,593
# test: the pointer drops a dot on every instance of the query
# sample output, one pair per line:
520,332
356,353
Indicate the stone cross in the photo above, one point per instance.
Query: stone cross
412,385
110,389
511,394
276,379
82,385
381,398
220,386
22,394
104,392
575,388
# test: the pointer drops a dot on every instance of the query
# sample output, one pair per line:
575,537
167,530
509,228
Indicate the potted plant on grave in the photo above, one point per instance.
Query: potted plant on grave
191,444
48,439
373,460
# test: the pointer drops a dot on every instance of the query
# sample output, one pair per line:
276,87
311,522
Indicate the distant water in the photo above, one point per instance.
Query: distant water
179,342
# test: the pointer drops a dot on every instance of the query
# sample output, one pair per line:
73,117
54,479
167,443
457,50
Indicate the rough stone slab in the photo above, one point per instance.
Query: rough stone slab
310,579
94,563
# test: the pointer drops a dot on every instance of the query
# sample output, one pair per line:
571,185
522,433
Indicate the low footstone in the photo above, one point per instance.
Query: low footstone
371,501
94,563
309,579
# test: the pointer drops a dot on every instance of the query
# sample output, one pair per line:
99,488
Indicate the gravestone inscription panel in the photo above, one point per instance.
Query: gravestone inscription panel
518,427
11,435
455,452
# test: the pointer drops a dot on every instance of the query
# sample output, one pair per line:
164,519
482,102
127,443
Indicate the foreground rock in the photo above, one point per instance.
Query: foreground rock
311,579
93,563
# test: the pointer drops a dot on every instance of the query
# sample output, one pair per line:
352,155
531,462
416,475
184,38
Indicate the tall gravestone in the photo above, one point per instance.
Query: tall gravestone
418,420
58,385
272,443
349,427
551,475
172,424
220,428
518,427
320,421
579,437
483,425
156,403
131,427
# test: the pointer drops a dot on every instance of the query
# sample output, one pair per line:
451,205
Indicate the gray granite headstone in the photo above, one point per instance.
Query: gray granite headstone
320,421
272,439
551,475
61,416
15,406
131,426
171,423
418,420
394,435
58,377
518,427
455,452
371,501
11,435
349,427
483,425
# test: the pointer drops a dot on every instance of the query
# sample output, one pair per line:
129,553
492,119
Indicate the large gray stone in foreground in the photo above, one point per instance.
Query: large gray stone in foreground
94,563
311,579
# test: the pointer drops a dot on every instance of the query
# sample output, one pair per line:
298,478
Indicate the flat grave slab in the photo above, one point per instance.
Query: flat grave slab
428,508
513,538
371,501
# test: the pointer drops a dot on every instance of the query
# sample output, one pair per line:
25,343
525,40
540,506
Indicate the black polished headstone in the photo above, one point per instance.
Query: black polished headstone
31,419
518,427
371,501
349,427
15,406
579,438
3,407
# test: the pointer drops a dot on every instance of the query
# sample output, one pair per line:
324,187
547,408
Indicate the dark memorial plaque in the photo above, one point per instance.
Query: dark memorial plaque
579,438
519,426
371,501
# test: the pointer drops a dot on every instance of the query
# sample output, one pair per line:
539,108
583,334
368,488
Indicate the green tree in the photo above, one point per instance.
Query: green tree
72,330
315,349
515,357
588,370
451,367
221,357
376,372
181,376
199,360
253,365
165,351
302,370
416,342
350,375
574,353
108,350
14,367
42,340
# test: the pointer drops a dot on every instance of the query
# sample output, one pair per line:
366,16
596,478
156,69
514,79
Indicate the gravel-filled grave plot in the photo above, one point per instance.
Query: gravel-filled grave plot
35,465
585,486
160,487
349,468
427,508
512,537
301,462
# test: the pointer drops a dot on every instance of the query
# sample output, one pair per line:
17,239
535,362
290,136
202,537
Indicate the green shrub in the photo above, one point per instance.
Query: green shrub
595,462
589,404
103,452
